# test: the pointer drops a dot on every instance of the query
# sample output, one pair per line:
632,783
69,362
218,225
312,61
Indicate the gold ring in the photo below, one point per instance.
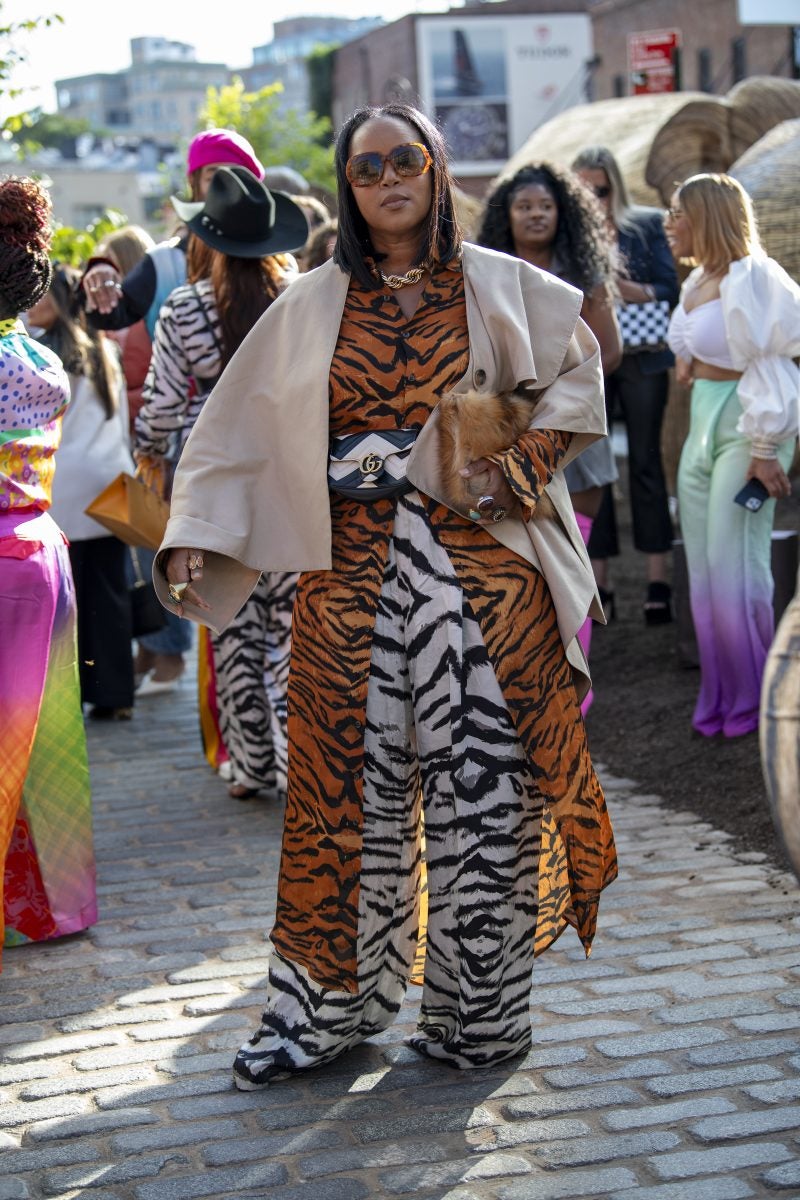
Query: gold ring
195,562
176,591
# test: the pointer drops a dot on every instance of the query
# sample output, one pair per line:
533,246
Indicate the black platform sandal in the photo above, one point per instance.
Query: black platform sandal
658,605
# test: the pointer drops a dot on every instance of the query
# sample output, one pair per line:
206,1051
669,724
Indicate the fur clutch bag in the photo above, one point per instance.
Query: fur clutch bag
471,426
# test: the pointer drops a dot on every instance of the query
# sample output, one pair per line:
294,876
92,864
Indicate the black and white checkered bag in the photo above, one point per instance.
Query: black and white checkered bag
644,325
370,466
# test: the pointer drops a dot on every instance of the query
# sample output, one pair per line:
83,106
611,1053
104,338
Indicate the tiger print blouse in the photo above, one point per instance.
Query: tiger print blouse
388,371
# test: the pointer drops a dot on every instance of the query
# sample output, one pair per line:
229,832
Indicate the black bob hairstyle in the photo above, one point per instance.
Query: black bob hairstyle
441,237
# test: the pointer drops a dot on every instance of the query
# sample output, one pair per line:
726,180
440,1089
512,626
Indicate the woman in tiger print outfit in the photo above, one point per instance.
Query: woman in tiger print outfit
435,670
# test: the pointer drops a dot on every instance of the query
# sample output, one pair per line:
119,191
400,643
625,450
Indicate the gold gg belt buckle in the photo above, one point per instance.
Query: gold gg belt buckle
370,464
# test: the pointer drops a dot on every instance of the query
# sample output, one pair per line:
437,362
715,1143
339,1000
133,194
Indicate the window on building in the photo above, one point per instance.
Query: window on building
738,59
85,214
704,79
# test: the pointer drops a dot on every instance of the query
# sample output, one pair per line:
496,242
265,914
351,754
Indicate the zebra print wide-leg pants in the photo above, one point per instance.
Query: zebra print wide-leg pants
435,716
251,665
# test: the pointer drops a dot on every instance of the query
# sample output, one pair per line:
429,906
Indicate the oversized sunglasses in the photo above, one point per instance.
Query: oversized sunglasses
408,160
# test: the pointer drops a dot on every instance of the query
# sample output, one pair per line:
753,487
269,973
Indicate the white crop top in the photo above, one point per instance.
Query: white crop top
754,328
700,333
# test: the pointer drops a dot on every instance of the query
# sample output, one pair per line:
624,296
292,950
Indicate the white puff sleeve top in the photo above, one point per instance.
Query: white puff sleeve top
761,307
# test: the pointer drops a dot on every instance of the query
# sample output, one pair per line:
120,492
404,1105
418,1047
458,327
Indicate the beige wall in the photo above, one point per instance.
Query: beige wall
79,195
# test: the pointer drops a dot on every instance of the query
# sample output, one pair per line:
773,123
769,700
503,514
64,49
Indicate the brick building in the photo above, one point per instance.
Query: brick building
715,52
159,95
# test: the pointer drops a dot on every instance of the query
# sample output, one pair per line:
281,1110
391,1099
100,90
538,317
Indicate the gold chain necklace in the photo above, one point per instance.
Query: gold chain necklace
398,281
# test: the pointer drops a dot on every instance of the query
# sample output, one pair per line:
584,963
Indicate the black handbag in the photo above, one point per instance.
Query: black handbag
147,613
644,325
371,466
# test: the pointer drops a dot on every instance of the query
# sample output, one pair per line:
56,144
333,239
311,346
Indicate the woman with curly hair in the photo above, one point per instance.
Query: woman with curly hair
545,216
46,859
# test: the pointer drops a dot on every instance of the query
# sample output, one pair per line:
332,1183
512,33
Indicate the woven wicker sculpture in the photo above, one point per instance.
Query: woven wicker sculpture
627,126
770,171
710,134
660,140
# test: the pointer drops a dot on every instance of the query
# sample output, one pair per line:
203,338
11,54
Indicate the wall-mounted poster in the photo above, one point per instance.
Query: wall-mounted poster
490,81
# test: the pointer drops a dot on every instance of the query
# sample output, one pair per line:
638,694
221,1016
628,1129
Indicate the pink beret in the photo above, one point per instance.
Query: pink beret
222,146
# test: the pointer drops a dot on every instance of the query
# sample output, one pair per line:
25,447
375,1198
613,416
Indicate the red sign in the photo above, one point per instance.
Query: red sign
651,60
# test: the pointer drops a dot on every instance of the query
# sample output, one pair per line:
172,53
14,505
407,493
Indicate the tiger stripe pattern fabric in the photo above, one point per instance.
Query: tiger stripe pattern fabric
428,656
436,717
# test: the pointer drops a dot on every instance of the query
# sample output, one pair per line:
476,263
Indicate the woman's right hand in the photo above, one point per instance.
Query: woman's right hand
102,288
683,372
185,566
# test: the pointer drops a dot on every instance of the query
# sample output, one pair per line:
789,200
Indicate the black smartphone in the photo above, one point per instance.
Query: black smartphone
752,495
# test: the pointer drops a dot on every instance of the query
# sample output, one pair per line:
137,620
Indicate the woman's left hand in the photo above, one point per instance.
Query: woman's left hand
183,568
772,475
483,480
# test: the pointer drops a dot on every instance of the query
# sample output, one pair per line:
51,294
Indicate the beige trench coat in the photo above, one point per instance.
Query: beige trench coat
251,487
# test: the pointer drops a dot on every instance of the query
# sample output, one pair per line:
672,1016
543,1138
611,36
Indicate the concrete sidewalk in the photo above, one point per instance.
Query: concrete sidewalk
666,1068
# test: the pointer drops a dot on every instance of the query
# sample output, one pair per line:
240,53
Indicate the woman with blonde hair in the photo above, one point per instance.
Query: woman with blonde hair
125,248
638,389
734,334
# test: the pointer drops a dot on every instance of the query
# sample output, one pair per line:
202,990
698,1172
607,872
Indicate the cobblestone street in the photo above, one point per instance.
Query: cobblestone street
665,1068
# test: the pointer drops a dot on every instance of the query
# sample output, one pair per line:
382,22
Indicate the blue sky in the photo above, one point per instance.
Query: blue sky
95,33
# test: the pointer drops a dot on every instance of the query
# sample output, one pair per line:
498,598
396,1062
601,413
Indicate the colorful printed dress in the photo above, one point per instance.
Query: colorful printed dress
427,672
45,811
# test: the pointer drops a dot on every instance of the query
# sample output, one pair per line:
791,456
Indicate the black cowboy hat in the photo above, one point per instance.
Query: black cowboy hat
243,218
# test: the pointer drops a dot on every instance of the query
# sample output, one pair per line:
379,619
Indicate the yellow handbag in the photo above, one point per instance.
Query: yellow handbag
133,508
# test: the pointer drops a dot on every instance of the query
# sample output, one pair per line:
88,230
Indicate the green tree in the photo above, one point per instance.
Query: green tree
75,246
54,130
12,53
289,139
320,77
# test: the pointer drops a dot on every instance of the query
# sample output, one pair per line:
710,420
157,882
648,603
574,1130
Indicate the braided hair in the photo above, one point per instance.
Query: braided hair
581,244
25,270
